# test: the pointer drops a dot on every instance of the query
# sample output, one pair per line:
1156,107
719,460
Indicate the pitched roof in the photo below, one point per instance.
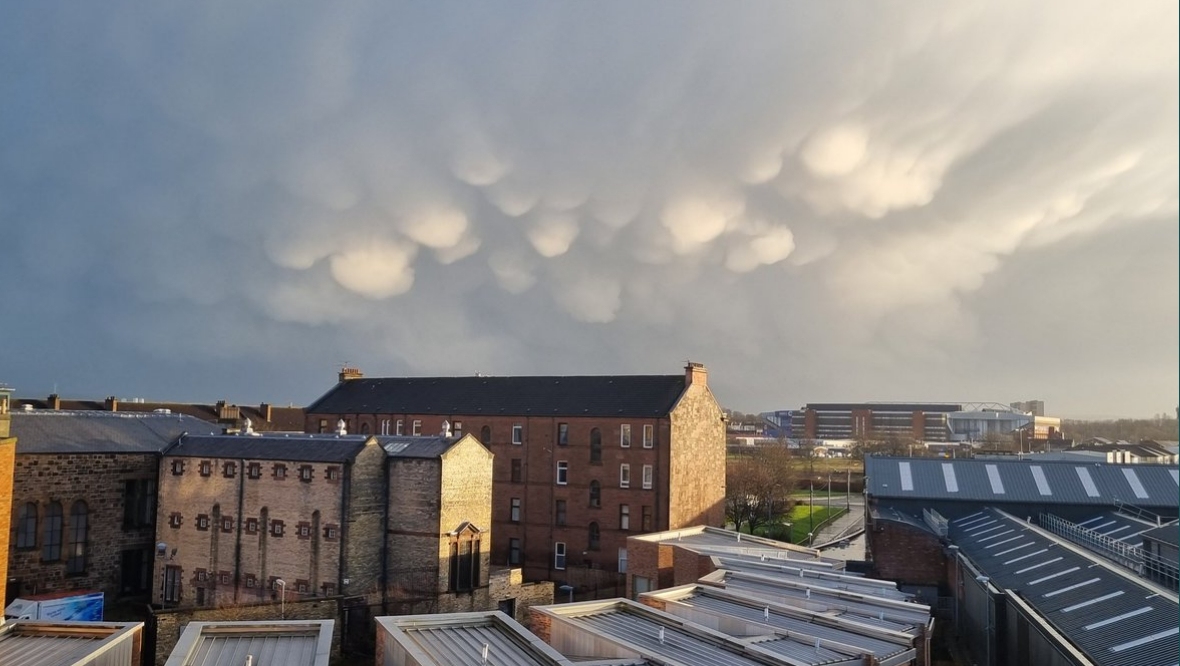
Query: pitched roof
1116,618
1023,481
299,448
288,419
306,447
100,432
1169,534
596,396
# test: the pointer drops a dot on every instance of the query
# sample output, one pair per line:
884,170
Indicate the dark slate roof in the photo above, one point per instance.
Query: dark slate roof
595,396
289,419
100,432
1115,618
884,406
306,448
416,447
1167,534
1023,481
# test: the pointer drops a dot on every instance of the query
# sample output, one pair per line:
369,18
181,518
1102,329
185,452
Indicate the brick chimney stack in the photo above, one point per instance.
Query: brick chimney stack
54,401
695,372
347,373
112,403
5,415
265,410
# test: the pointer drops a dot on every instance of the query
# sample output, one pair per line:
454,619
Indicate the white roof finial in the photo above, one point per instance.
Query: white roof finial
341,427
446,429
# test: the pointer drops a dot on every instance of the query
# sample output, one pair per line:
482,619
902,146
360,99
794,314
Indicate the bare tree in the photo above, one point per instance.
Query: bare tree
758,486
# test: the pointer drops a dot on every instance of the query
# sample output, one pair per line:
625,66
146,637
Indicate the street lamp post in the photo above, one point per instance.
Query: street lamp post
282,597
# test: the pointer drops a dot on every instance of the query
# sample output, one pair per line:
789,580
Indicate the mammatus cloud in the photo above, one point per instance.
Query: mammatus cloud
819,203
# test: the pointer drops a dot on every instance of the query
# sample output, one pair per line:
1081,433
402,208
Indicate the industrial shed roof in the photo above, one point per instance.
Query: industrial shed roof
884,645
1116,618
665,638
1020,481
273,643
459,639
891,614
597,396
815,577
1169,534
68,643
1118,526
100,432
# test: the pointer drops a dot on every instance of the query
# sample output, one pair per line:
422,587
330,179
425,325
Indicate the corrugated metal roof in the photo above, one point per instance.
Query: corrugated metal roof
100,432
275,643
778,620
1022,481
36,650
1114,617
601,396
1168,534
460,639
35,643
1118,526
876,611
643,634
814,577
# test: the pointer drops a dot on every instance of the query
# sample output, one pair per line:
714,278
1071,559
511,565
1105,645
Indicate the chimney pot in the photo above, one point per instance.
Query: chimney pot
695,372
347,373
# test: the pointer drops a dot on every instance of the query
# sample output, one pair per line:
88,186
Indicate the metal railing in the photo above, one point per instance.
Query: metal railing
1112,549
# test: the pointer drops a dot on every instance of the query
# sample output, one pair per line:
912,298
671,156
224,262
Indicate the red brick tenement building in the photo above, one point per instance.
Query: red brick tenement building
403,523
580,462
84,500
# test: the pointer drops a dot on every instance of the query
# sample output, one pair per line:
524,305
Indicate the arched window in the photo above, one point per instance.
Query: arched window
51,536
26,526
595,445
79,530
595,536
485,434
364,428
595,494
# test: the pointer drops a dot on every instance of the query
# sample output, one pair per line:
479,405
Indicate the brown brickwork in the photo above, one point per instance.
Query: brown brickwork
686,443
905,553
113,548
7,465
170,622
540,624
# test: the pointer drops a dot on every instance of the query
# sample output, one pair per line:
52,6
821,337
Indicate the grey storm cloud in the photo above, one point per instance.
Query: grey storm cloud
854,201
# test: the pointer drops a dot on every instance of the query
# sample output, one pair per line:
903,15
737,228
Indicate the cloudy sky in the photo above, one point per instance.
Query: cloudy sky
820,201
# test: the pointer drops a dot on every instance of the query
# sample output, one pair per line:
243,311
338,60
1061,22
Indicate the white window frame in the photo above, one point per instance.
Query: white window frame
625,475
514,548
416,427
563,472
648,474
514,510
518,433
384,426
559,555
625,435
649,436
622,560
625,517
457,429
400,427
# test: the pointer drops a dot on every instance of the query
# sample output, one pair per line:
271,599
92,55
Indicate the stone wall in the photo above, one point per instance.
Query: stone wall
696,469
99,481
415,572
508,584
169,623
365,525
7,464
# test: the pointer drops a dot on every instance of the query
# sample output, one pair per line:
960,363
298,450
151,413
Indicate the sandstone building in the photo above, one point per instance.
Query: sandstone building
83,499
393,524
580,462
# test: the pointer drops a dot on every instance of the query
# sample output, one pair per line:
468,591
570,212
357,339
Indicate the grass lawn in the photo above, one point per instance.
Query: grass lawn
800,525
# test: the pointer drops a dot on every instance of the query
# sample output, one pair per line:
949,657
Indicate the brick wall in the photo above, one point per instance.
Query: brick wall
688,566
905,554
651,560
695,480
98,480
466,494
414,569
540,624
169,623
